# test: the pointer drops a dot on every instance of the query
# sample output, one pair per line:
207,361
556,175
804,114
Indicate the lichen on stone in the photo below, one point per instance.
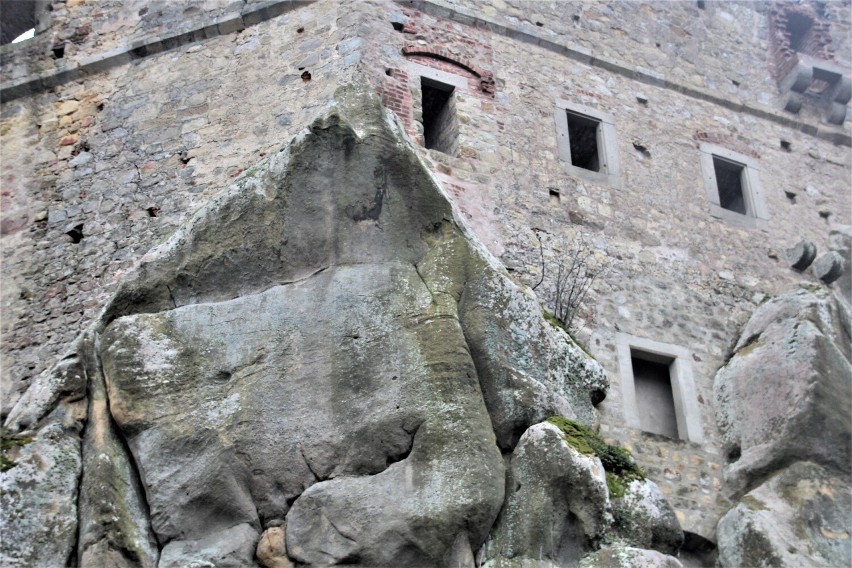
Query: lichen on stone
8,442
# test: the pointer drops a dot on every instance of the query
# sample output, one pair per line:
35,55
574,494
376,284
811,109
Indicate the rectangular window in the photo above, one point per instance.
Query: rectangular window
732,186
440,131
657,388
729,182
587,144
654,399
583,135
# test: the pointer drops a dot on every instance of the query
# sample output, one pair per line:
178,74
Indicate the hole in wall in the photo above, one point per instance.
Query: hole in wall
786,146
734,454
790,196
554,194
735,82
153,211
576,18
798,30
143,11
701,4
825,214
654,395
398,26
389,72
76,233
643,151
300,30
306,76
539,24
58,51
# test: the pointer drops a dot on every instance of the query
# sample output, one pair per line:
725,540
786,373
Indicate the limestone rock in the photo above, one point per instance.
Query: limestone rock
228,548
326,344
771,413
840,241
799,517
272,549
557,503
629,557
39,512
645,519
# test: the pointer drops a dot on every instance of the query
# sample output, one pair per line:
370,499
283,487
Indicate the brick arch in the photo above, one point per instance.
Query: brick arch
817,42
486,79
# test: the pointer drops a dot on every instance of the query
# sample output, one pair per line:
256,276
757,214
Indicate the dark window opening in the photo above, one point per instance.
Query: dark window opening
440,130
798,30
583,138
58,51
554,194
729,181
654,398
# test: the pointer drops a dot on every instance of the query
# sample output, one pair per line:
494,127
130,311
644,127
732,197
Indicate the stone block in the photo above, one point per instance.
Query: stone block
829,267
801,255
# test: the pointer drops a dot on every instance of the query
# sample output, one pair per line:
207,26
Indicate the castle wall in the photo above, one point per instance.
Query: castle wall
130,151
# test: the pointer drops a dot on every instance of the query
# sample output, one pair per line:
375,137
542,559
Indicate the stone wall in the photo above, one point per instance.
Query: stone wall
129,151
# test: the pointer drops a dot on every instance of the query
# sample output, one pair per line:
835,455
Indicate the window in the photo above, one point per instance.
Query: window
732,186
587,144
653,385
440,130
658,389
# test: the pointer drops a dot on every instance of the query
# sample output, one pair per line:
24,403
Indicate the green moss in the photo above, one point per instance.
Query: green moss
7,442
552,319
557,323
618,464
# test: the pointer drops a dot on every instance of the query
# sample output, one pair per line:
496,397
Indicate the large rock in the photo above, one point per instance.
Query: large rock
324,346
785,393
629,557
799,517
644,518
557,504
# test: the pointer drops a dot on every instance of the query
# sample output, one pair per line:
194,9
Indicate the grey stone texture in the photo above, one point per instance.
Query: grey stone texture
801,255
168,127
830,267
644,518
798,517
296,351
629,557
771,414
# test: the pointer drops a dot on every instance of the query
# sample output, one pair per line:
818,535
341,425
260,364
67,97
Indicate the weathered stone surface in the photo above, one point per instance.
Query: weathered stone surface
272,549
771,413
801,255
37,496
829,267
531,369
629,557
645,519
228,548
799,517
302,350
557,503
840,241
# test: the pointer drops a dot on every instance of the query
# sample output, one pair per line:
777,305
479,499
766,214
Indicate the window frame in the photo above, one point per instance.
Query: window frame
687,411
418,72
607,141
756,213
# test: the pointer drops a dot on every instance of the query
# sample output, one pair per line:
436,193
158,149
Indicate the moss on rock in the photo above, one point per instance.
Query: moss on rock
619,465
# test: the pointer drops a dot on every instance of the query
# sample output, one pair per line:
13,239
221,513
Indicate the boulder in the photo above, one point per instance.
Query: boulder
629,557
272,549
645,519
799,517
323,346
785,393
557,505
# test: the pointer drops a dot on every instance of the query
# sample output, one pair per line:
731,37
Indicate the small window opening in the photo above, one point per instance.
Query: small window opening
798,29
583,134
654,398
76,233
440,131
554,195
729,181
786,146
58,51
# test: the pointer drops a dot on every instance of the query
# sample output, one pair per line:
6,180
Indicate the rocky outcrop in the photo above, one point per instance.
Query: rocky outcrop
644,518
783,403
322,366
